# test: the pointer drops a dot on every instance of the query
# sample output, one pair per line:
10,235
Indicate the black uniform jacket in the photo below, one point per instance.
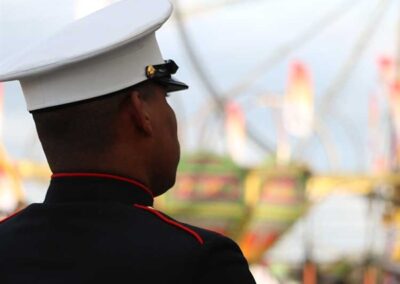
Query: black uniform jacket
99,228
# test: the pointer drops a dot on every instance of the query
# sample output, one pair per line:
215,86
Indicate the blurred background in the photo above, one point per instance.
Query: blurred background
290,131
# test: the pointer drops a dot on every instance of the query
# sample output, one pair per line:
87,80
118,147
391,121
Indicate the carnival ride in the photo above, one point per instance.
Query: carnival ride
256,205
298,117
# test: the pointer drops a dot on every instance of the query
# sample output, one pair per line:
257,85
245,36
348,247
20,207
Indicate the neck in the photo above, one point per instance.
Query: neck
118,166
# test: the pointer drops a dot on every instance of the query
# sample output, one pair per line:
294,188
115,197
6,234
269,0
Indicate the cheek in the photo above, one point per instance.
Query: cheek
174,132
167,130
173,125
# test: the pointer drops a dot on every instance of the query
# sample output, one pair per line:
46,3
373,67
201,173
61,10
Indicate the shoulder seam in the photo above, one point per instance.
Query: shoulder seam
10,216
171,222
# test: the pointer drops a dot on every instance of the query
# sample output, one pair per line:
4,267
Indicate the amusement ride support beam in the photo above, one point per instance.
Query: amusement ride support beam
220,102
343,76
280,53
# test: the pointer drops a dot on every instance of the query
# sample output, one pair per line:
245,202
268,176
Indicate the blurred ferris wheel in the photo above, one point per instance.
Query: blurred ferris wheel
301,114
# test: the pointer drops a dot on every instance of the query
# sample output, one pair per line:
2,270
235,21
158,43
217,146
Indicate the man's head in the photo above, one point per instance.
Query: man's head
132,132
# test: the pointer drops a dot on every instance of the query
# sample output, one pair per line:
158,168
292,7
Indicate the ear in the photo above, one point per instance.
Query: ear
139,112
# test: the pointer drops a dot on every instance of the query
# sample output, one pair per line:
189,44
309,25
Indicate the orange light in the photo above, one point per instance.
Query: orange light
309,273
387,68
235,124
298,107
395,105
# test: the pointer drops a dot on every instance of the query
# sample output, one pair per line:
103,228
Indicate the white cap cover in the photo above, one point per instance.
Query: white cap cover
105,52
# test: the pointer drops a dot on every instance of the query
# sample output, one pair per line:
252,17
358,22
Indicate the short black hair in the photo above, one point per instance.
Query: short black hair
83,128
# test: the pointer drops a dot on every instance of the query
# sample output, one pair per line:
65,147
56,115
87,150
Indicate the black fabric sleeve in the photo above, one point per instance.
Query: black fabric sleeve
224,263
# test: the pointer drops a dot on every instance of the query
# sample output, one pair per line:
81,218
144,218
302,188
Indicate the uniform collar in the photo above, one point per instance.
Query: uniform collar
81,187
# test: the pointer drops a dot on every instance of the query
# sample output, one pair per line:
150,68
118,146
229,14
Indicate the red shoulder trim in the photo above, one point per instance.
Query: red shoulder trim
132,181
10,216
171,222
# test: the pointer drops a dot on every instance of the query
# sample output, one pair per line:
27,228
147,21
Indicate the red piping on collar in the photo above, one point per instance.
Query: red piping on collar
132,181
171,222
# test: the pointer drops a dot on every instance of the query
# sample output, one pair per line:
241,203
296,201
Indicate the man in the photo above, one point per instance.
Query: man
98,94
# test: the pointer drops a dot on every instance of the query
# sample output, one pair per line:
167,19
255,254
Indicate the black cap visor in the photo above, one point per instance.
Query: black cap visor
172,85
161,74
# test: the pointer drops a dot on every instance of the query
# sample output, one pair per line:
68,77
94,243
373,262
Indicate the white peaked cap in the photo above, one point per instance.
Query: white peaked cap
102,53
